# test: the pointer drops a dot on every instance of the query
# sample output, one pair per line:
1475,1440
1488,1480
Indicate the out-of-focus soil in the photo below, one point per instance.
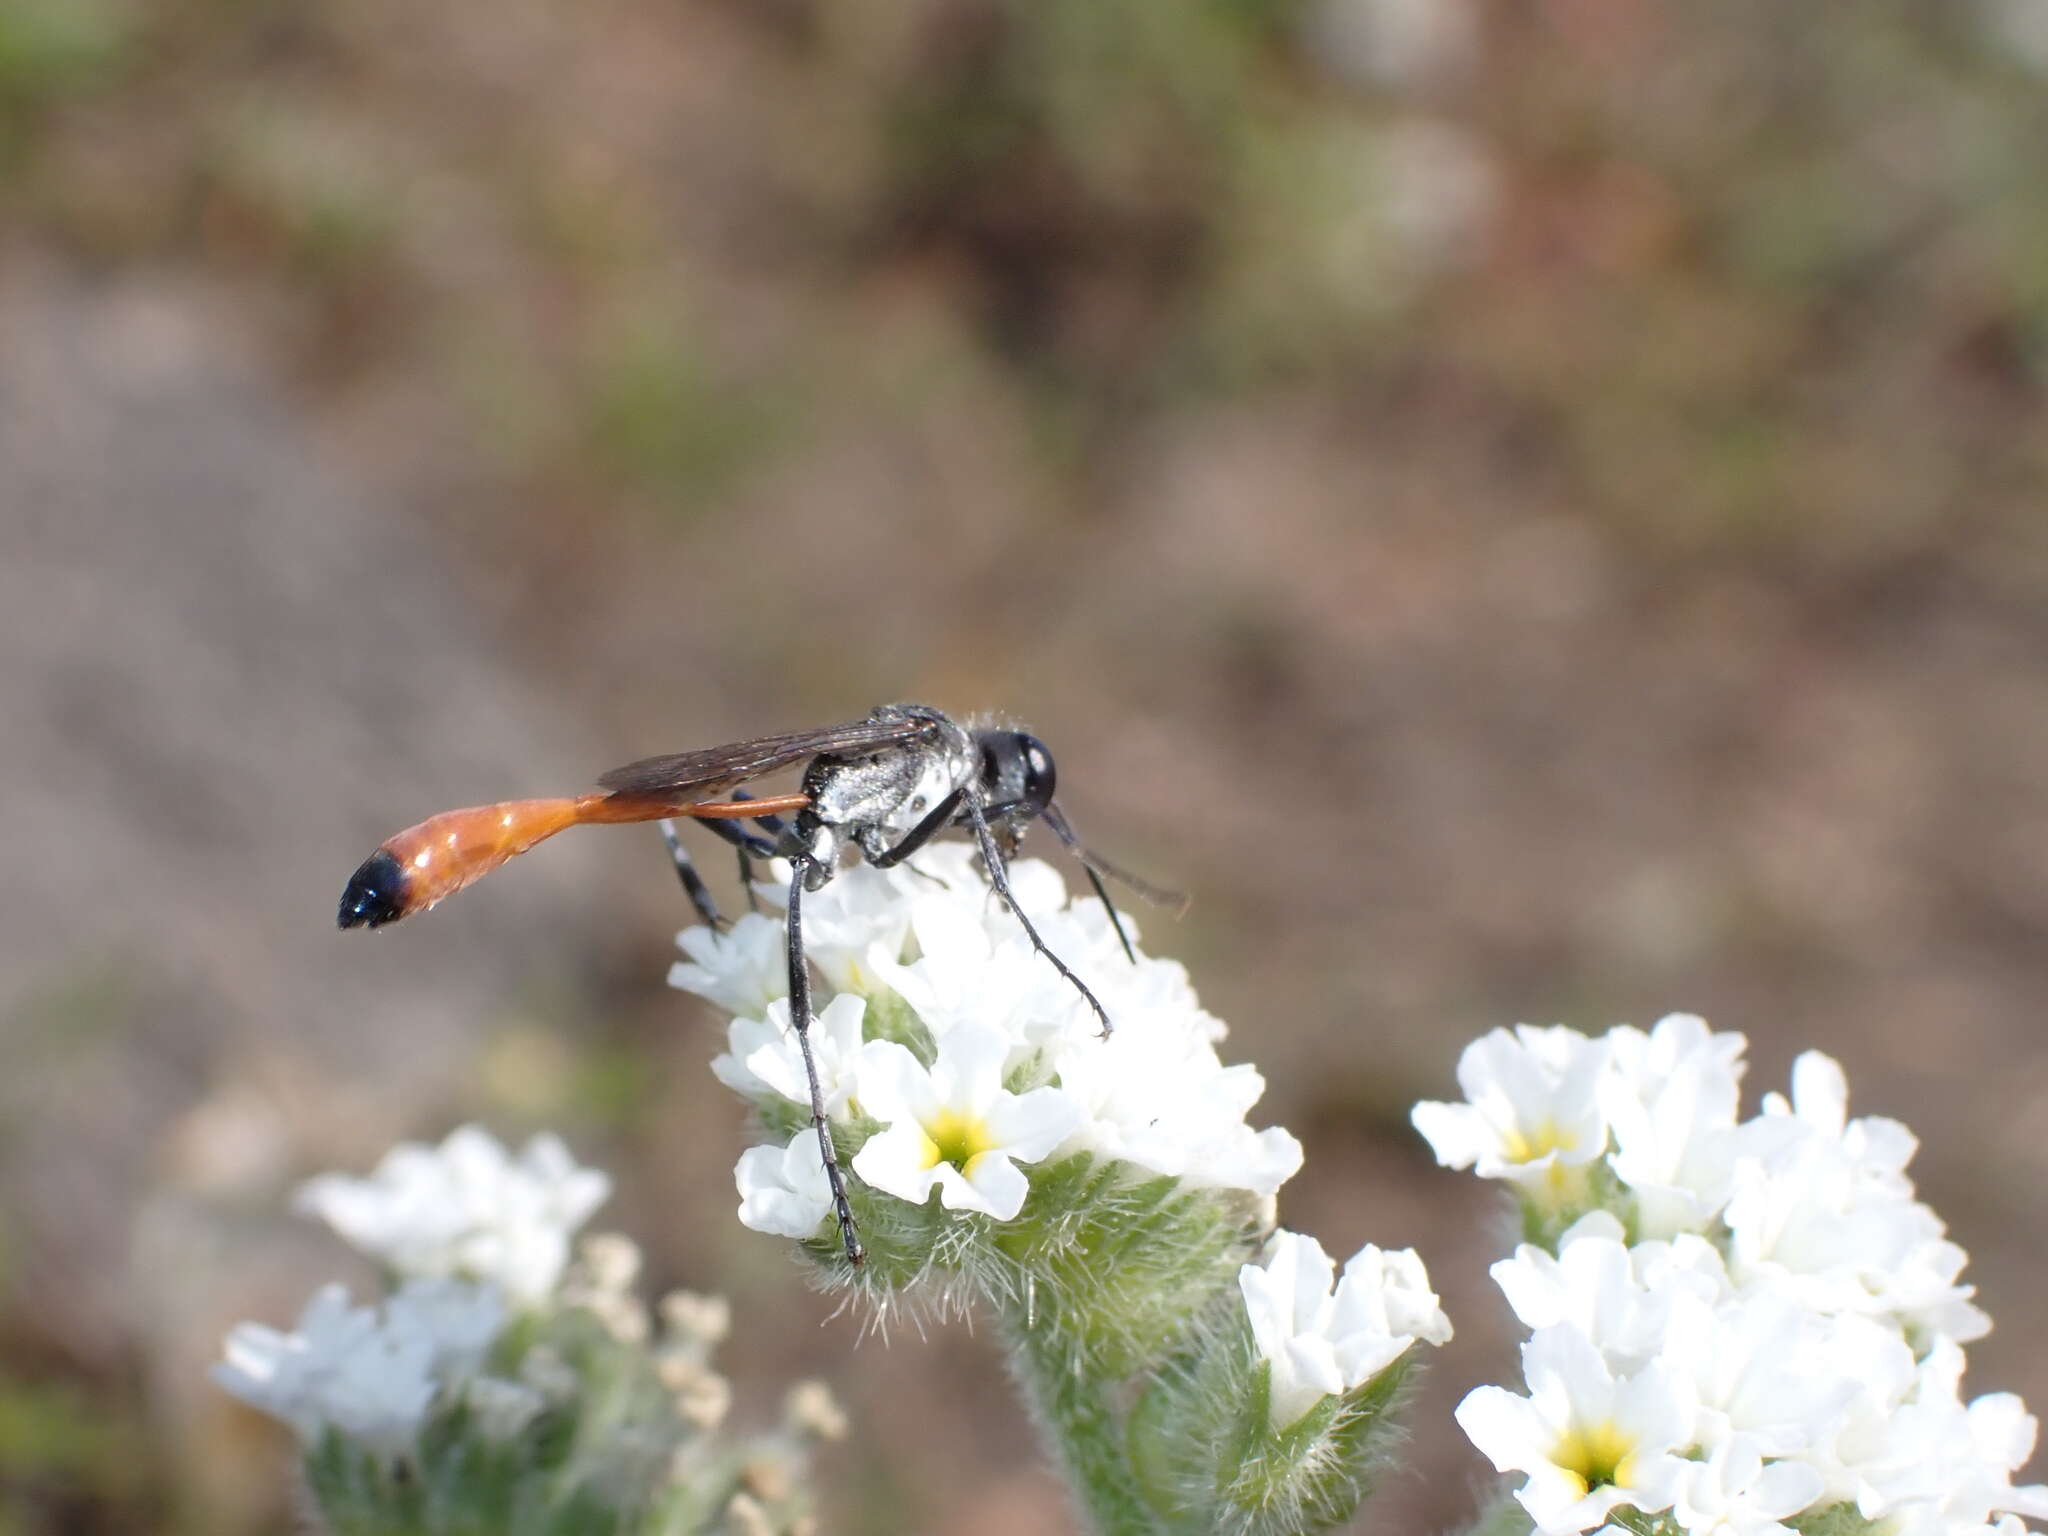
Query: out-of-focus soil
1358,655
1692,796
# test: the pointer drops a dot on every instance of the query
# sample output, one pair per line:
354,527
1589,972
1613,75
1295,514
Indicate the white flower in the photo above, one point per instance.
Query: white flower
953,863
1763,1371
339,1367
742,970
1155,1095
370,1373
954,1127
1788,1340
932,936
1944,1465
973,962
1671,1099
465,1208
966,974
783,1189
1733,1491
1868,1359
1322,1339
1590,1441
862,909
1389,1288
1793,1328
1876,1148
1619,1299
1757,1365
1822,1208
1153,988
462,1317
1533,1113
956,866
766,1058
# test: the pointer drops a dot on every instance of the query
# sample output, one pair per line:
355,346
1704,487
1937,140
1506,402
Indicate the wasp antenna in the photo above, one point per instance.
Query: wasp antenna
1057,820
1096,864
1116,919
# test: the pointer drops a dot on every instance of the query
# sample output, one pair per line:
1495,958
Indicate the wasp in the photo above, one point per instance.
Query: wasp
882,787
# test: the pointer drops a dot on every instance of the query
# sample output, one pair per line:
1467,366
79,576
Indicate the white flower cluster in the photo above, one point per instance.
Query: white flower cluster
1011,1069
472,1233
370,1372
1743,1323
1324,1335
524,1388
466,1207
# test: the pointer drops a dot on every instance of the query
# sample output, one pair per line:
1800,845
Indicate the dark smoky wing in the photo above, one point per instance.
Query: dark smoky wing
712,770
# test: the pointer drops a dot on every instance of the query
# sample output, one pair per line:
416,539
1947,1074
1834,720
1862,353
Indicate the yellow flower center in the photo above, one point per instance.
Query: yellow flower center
1525,1146
1599,1455
951,1137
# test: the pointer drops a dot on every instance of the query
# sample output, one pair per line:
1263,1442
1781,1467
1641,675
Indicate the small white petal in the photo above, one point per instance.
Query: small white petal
776,1062
1323,1335
783,1189
742,970
990,1183
899,1161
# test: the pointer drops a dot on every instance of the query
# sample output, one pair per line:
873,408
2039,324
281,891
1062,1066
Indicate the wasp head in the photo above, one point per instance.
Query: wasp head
1017,774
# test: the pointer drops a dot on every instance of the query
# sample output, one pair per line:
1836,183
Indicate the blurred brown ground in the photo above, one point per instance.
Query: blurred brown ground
1527,512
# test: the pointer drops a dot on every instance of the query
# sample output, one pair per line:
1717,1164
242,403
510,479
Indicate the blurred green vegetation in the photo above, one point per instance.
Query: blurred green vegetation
53,52
1693,260
1739,282
65,1457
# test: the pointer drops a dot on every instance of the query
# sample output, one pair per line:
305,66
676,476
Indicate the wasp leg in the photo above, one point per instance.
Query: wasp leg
800,1018
773,826
933,823
728,827
686,871
751,845
999,877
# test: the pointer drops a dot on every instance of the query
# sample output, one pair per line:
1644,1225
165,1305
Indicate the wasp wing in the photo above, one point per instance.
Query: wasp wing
713,770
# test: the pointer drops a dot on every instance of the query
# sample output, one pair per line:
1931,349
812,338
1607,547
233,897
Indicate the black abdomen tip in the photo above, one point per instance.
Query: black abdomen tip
375,894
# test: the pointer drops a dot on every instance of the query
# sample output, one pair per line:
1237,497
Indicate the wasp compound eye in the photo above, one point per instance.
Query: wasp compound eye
1017,774
1039,776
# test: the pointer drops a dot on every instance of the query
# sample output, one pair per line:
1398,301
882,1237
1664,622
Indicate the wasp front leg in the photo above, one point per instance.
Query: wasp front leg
999,877
800,1020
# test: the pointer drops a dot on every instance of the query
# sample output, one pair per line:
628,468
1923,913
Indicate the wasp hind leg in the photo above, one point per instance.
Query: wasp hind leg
686,871
751,845
773,826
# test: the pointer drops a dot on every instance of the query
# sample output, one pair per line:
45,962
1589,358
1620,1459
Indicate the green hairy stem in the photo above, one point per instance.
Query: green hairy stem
1118,1307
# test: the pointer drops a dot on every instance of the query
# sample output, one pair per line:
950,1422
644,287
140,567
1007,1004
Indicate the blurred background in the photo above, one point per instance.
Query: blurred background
1526,511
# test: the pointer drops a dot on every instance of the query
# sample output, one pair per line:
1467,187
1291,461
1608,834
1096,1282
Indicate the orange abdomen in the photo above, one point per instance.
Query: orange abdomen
425,864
